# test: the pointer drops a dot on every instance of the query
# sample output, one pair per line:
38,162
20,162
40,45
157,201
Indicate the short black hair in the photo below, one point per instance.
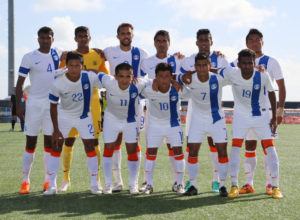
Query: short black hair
45,30
246,53
81,29
254,31
74,56
163,67
123,66
124,25
162,33
202,32
201,56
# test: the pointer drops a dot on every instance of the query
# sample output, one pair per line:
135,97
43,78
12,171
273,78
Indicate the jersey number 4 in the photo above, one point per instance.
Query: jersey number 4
49,68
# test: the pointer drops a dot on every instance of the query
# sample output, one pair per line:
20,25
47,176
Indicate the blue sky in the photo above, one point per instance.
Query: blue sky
229,22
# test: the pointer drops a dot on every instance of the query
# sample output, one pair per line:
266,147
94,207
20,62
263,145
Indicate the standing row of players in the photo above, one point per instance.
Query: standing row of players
44,60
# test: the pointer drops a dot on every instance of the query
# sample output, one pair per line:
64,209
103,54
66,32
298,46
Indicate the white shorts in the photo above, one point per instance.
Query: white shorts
37,117
251,135
141,115
200,128
85,127
259,125
188,118
112,127
156,135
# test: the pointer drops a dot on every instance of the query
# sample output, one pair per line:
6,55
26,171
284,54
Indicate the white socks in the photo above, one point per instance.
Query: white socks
46,158
234,162
53,166
249,166
273,165
26,165
92,164
116,168
107,169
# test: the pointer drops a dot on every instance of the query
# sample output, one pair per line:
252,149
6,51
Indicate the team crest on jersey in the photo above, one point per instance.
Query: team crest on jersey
172,64
256,86
86,86
213,64
133,95
213,86
173,98
136,57
95,63
55,57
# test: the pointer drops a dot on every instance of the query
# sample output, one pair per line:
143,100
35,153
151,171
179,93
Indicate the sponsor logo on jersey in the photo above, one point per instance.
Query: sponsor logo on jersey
172,63
256,86
37,62
173,98
86,86
213,64
133,95
213,86
95,63
115,57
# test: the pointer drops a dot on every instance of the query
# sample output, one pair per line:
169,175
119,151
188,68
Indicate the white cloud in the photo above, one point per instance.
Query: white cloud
238,13
290,70
65,5
63,28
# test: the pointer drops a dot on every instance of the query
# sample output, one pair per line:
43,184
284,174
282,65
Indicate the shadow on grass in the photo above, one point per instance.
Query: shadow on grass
120,205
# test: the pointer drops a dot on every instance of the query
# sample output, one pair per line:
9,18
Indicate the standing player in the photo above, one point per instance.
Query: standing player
162,44
251,113
207,119
74,89
91,60
39,65
163,123
121,117
123,53
204,43
254,41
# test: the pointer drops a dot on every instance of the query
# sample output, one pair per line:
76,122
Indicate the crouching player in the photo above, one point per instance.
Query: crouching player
207,120
121,117
250,88
163,122
74,89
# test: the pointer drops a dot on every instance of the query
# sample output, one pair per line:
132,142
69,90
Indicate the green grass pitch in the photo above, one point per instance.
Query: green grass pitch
78,203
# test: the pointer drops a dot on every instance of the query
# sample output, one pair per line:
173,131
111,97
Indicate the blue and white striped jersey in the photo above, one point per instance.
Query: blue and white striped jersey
122,104
40,68
163,108
271,65
206,97
249,95
75,97
216,61
149,65
114,55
